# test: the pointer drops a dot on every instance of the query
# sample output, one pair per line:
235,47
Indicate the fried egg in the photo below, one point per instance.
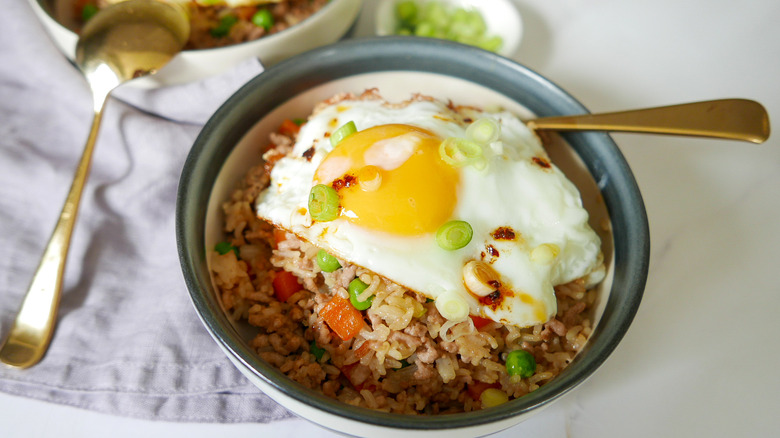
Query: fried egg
530,231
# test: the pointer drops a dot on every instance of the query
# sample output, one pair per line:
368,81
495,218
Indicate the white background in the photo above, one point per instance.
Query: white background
702,356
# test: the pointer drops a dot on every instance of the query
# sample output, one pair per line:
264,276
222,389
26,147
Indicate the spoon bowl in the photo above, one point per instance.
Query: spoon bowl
122,42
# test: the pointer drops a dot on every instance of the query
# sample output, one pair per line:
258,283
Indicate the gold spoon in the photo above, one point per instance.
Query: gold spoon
121,42
733,119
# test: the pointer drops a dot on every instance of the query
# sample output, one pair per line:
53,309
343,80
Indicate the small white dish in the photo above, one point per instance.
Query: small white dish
501,17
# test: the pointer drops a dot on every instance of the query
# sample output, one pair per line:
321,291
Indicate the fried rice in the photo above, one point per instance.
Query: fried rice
407,358
215,24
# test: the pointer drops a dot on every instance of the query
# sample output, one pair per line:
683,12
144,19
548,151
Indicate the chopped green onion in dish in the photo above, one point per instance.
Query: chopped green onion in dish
223,27
520,363
436,20
225,247
406,11
357,287
454,235
263,18
323,203
452,306
343,132
483,131
460,152
88,11
327,262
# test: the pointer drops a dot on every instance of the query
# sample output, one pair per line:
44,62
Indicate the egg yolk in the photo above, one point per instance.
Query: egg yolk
391,178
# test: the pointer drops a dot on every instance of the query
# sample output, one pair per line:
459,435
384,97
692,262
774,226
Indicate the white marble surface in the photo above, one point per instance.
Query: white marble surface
702,354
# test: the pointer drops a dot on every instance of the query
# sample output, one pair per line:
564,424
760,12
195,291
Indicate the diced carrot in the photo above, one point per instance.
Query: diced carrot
289,128
279,236
476,388
78,6
479,321
342,318
245,13
285,285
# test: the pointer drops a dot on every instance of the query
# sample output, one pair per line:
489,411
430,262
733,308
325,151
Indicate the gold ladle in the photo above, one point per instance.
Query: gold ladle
732,119
121,42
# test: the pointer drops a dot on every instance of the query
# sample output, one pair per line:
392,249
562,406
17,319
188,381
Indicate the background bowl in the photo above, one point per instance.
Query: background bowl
501,18
325,26
397,66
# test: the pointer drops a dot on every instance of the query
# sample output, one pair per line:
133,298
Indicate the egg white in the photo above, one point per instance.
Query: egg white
538,203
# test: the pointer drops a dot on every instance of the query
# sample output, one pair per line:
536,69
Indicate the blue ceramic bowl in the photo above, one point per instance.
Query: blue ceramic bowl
227,147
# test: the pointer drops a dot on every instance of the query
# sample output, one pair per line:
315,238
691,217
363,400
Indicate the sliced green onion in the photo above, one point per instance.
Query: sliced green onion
327,262
225,247
452,306
520,363
435,13
436,19
406,11
425,30
263,18
316,351
343,132
480,278
459,152
299,121
454,235
490,43
323,203
88,11
357,287
404,364
483,131
493,397
223,27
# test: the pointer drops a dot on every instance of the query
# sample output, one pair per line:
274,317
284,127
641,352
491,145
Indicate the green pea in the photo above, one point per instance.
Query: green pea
327,262
356,287
520,363
263,18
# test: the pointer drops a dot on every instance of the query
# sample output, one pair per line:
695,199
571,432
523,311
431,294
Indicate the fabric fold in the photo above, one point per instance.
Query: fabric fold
128,341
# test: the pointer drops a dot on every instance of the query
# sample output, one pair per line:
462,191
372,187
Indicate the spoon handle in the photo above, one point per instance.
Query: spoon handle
34,325
734,119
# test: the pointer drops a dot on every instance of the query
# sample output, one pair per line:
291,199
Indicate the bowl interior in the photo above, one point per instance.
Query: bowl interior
230,143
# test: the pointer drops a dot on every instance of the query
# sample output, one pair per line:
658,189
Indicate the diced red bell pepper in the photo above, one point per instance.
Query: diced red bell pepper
479,321
285,285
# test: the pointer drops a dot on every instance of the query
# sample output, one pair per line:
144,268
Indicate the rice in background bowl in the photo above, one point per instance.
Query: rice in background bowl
228,147
327,25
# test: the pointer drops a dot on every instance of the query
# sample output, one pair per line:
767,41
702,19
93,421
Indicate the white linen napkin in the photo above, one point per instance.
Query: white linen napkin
128,341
